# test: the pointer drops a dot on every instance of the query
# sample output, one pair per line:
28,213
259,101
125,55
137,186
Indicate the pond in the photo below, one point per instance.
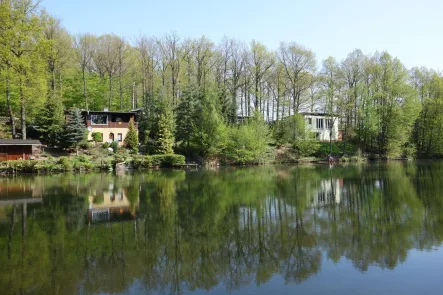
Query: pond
354,229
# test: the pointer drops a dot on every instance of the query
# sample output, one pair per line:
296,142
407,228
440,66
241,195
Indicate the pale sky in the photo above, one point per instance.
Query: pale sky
410,30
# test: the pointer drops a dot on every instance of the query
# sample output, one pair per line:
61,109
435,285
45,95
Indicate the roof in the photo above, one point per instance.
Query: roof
108,112
318,114
19,142
132,112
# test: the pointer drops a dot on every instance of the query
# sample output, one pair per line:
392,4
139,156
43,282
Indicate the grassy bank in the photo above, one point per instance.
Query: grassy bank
89,163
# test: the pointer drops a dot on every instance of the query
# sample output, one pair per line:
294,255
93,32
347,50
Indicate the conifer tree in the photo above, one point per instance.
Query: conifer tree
186,116
74,129
165,136
131,139
50,122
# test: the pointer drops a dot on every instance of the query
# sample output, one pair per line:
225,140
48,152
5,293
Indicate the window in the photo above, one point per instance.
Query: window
320,124
310,121
99,119
120,137
111,136
329,123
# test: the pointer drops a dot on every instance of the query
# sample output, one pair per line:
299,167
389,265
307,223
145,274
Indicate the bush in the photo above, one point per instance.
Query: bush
65,163
304,148
97,136
82,163
114,146
151,161
248,143
338,148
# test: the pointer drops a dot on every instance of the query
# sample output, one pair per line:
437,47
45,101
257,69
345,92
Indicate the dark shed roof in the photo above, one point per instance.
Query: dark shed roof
19,142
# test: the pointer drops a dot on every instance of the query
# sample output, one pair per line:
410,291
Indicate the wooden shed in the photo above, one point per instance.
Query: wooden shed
16,149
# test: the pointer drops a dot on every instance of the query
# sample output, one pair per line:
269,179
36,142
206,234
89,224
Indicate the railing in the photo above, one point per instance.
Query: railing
121,124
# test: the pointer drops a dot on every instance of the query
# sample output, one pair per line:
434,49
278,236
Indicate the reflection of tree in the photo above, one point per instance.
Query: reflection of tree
195,230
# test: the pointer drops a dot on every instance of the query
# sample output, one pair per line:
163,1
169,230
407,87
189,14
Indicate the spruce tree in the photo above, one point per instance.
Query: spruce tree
186,116
50,123
74,129
131,139
165,135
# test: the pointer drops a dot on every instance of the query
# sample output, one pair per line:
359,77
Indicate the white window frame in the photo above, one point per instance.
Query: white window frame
329,124
320,124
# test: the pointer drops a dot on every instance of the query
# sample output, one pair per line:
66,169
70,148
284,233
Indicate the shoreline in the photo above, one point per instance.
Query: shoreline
59,165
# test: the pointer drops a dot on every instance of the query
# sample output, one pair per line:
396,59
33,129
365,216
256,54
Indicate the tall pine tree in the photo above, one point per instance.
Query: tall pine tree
186,117
74,129
131,139
50,122
165,135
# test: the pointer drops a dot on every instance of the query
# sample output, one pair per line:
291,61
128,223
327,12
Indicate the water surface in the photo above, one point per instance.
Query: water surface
356,229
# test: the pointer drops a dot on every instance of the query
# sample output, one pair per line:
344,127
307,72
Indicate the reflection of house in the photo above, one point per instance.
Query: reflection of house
327,193
111,205
324,126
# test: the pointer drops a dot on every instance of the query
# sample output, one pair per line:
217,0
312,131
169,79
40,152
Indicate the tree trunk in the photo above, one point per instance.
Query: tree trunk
85,90
110,93
8,100
23,110
121,93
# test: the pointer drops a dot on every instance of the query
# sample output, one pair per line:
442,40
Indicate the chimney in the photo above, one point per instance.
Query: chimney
105,109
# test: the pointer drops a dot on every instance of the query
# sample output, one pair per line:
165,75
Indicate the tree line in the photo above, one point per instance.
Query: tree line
189,83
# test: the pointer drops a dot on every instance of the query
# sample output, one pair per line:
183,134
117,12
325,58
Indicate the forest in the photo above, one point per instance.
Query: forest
193,91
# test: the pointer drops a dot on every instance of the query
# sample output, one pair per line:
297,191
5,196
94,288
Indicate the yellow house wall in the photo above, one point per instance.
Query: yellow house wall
107,131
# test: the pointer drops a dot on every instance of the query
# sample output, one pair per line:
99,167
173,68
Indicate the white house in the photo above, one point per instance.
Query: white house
324,126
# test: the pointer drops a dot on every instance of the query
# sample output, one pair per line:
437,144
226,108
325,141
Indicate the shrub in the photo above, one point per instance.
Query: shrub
169,160
97,136
82,162
114,146
65,163
304,148
248,143
131,139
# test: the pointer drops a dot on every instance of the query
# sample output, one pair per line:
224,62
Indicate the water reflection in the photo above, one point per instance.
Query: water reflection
176,231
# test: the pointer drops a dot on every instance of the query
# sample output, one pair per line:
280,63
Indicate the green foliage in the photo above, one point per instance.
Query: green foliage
428,131
50,121
5,132
66,163
305,148
82,162
131,139
338,148
97,136
74,130
165,135
114,146
210,133
186,117
158,161
384,109
248,142
289,129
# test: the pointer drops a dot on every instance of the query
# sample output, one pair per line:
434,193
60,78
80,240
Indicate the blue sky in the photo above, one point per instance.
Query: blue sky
409,30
